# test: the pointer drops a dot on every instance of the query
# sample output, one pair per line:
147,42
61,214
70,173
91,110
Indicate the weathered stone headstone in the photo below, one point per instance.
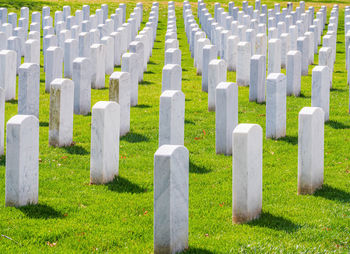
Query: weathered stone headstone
81,77
247,149
217,72
98,66
274,56
22,161
29,89
171,77
8,65
61,112
320,89
276,105
226,116
54,66
70,54
310,150
293,72
171,165
130,65
243,68
171,118
105,124
257,78
119,91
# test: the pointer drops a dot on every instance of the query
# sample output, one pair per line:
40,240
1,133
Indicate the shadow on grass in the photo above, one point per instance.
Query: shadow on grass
143,106
338,90
293,140
75,149
121,185
268,220
2,160
40,211
148,72
13,101
132,137
145,82
197,250
194,168
301,95
333,193
337,125
44,124
189,122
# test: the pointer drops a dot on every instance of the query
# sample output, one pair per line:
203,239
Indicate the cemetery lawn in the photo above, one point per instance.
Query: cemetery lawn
74,216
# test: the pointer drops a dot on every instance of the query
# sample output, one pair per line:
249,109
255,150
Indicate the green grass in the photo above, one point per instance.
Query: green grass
73,216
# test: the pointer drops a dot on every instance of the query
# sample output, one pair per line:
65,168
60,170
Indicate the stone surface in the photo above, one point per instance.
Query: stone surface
320,89
243,68
8,63
310,150
108,43
274,56
2,120
226,116
98,61
217,72
138,48
209,53
29,89
247,149
325,59
84,45
171,118
257,78
172,56
130,64
54,66
61,112
32,51
293,72
70,54
171,77
171,183
119,91
82,85
22,161
104,159
276,105
232,43
303,47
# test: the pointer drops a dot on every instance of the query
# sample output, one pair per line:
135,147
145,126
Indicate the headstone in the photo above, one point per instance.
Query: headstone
243,68
247,166
70,54
320,89
54,66
119,91
171,77
61,112
325,59
81,77
232,43
217,72
32,51
274,58
226,116
209,53
275,105
2,120
97,66
303,47
171,165
29,89
84,45
8,65
310,150
137,47
130,64
171,118
293,72
14,44
108,43
257,78
117,48
22,161
105,124
172,56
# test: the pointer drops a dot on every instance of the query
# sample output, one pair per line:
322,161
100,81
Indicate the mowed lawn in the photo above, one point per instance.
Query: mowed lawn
74,216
